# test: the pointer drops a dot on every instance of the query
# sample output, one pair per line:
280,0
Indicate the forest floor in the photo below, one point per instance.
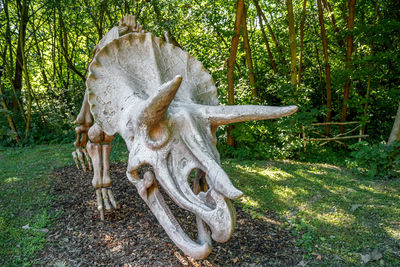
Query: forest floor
291,213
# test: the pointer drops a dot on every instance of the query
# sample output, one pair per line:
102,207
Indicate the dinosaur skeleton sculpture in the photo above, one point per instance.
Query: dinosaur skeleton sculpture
164,104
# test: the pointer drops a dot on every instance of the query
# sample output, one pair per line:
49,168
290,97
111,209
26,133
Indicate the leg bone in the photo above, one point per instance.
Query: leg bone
94,151
106,149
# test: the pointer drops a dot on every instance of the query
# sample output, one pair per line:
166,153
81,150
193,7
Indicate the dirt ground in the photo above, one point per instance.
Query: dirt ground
131,235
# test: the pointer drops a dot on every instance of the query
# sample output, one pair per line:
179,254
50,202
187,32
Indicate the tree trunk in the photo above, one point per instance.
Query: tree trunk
327,69
9,74
333,20
395,134
231,64
29,89
23,7
64,46
303,20
10,119
292,42
249,60
38,51
349,51
320,74
276,43
270,56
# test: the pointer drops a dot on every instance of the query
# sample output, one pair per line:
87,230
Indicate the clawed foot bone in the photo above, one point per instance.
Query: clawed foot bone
104,198
75,157
79,156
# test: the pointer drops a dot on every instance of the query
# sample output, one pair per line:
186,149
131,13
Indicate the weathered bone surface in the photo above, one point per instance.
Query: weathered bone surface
164,104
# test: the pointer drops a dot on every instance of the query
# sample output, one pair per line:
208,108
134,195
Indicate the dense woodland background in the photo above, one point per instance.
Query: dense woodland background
337,60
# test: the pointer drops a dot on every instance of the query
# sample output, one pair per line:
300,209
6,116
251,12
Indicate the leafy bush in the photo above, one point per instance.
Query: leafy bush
376,160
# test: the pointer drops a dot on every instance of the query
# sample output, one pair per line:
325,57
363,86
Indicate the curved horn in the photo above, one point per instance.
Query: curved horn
157,105
220,115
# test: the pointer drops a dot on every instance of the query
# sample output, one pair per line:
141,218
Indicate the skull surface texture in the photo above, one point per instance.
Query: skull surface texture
164,104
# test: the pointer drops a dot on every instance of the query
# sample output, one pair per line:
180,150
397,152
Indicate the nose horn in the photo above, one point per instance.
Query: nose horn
220,115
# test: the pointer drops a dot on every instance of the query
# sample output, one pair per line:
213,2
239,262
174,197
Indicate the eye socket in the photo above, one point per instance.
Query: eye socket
157,132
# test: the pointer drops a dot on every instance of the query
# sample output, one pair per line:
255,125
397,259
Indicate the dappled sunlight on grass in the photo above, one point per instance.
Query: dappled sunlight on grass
355,214
250,202
393,231
12,180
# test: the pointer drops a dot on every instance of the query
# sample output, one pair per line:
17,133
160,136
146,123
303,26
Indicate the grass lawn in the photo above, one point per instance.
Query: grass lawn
342,219
339,217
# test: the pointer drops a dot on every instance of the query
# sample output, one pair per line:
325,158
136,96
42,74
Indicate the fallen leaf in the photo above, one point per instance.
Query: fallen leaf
302,264
27,227
235,260
365,258
354,207
376,255
319,257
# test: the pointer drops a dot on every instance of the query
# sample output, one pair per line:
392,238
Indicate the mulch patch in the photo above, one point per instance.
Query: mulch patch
131,235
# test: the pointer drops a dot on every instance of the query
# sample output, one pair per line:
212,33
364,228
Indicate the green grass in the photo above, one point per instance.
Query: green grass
317,200
333,212
25,176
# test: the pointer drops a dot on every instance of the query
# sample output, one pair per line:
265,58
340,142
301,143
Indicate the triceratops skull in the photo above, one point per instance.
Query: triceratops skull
164,104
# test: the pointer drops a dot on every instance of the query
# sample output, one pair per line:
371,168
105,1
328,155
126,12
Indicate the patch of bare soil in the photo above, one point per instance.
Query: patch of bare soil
132,236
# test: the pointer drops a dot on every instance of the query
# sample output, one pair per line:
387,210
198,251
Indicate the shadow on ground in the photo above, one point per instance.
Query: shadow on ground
131,235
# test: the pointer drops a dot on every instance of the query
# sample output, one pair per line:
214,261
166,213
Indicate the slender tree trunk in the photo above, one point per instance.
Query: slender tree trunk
333,20
38,51
270,56
349,51
9,74
29,89
10,119
249,60
23,7
320,75
395,134
8,35
303,20
292,42
64,47
274,39
231,64
327,69
8,63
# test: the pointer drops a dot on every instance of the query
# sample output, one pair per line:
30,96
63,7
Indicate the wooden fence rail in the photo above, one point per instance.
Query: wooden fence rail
326,139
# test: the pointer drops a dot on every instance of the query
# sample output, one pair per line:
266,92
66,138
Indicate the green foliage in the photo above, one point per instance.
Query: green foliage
305,235
205,29
376,160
